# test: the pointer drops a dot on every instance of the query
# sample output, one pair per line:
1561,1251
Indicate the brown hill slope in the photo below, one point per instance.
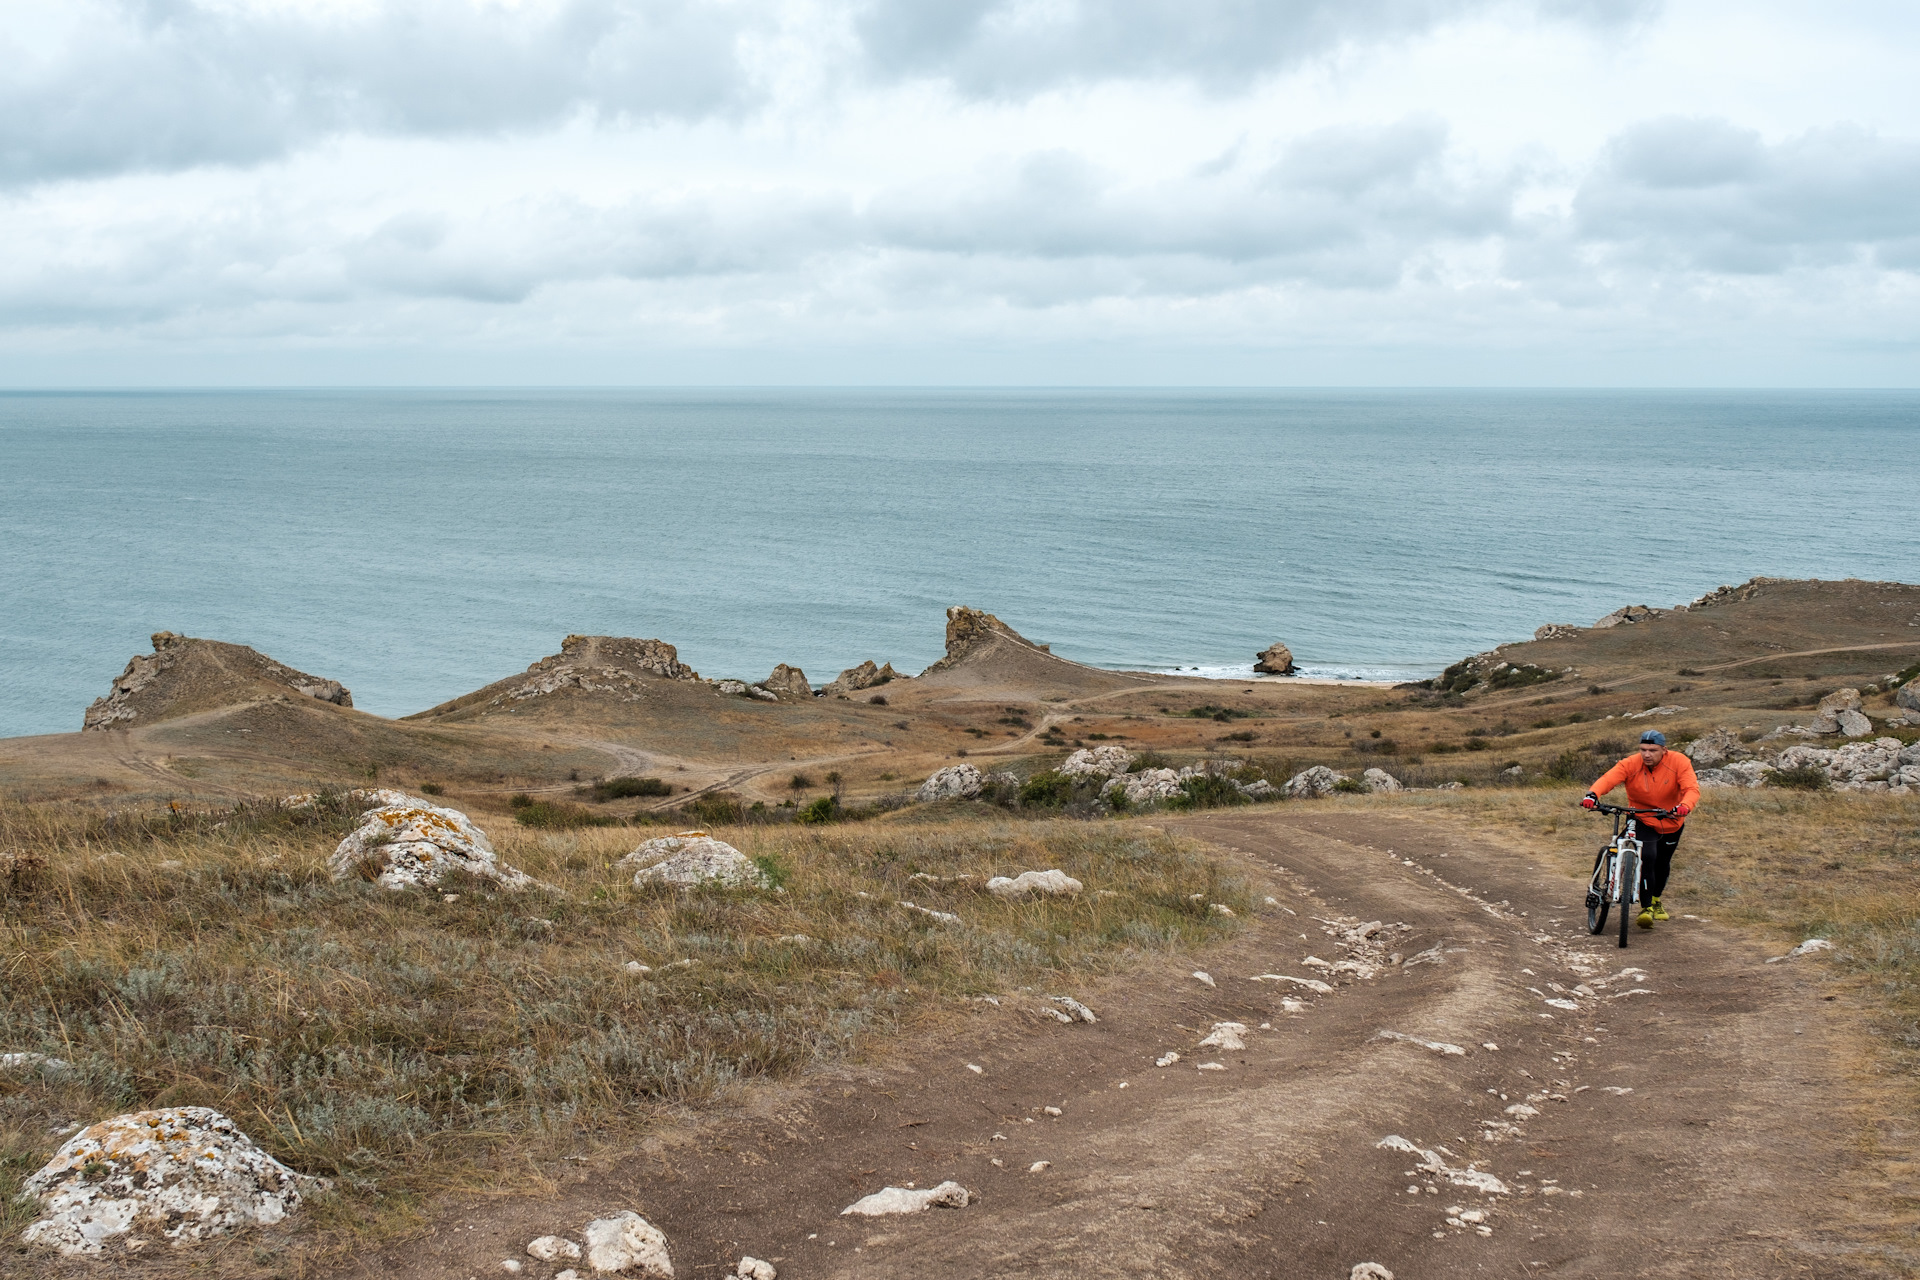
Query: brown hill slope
184,675
986,658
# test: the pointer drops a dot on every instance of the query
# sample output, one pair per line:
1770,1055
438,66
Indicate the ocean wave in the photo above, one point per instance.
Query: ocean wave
1396,673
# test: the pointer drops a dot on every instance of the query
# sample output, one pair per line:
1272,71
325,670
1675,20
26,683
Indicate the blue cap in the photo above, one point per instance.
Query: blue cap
1654,735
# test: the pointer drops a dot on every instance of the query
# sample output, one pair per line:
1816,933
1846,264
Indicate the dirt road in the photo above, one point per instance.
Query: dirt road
1676,1109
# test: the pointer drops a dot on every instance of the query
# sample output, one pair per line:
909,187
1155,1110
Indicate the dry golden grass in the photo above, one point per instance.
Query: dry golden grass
405,1045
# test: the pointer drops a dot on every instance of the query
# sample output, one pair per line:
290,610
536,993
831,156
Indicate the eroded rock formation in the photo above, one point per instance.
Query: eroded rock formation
184,675
1275,660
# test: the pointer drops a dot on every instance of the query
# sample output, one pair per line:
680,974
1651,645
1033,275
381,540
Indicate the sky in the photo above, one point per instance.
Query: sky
954,192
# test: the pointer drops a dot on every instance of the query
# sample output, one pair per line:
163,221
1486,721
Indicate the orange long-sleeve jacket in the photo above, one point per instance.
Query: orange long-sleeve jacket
1669,783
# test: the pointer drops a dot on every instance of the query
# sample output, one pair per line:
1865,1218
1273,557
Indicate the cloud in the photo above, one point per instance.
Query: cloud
1705,195
134,85
1014,47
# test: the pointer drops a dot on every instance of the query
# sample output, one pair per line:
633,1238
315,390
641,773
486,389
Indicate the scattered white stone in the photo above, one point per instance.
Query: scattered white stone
1166,1060
414,843
1212,1066
1222,909
1489,1045
976,1068
184,1173
1149,786
553,1249
510,1265
1431,1162
693,858
1380,781
627,1242
1290,1005
1040,1166
636,968
568,1274
1618,1091
948,1195
1522,1111
1311,984
1098,762
1047,882
755,1269
1079,1011
794,939
955,782
1437,1046
1203,977
1052,1111
1812,946
33,1062
1230,1036
1312,783
1563,1004
1369,1271
943,917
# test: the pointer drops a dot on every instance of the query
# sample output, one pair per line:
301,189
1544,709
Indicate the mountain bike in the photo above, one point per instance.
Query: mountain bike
1616,870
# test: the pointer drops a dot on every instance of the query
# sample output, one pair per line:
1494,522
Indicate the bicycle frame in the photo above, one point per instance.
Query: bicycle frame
1617,869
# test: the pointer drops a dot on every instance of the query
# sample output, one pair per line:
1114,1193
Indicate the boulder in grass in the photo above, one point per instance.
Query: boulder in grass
1908,696
411,843
1380,781
1098,762
693,858
179,1174
1311,783
955,782
1041,882
1149,786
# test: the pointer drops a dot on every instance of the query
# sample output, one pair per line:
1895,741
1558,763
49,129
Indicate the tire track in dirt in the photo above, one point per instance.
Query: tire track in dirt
1680,1131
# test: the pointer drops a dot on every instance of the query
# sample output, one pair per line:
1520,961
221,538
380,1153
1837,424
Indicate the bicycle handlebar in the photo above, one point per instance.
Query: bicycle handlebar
1600,807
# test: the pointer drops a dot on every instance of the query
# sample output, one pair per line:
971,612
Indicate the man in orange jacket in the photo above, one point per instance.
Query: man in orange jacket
1656,778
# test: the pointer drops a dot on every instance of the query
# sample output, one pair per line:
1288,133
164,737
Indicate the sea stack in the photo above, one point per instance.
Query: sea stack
1275,660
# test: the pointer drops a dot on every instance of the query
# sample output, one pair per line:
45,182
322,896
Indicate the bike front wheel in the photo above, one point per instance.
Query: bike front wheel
1597,891
1629,893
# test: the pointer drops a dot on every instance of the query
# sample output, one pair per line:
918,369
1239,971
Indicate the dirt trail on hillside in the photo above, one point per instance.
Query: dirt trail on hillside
1678,1108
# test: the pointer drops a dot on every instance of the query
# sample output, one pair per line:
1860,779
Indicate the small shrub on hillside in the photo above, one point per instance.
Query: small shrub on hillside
1048,789
1568,766
432,789
623,788
715,809
552,815
1476,744
1208,711
877,700
1242,736
1205,791
825,809
1806,777
1352,786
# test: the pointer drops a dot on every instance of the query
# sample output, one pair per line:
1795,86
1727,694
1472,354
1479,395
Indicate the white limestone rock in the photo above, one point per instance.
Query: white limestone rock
1041,882
410,842
955,782
693,858
553,1249
892,1200
1379,780
1098,762
1908,696
1149,786
1312,783
627,1243
1854,724
22,1063
180,1173
1258,789
1231,1036
755,1268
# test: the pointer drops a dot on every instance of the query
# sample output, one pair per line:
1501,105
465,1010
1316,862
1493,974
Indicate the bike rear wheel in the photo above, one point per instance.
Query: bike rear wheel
1597,890
1629,892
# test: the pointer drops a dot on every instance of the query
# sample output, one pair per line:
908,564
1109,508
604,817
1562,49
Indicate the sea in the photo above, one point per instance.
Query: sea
416,544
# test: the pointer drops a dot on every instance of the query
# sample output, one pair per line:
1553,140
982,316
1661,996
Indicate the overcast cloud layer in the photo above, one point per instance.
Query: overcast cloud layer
1608,191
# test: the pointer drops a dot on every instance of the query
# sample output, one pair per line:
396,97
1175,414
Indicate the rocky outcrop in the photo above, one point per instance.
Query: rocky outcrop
413,843
955,782
1149,786
1908,696
1098,762
1275,660
1711,750
1839,712
1628,616
693,858
180,1174
1880,765
864,676
1380,781
969,629
1556,631
1312,783
1734,595
788,682
619,666
184,675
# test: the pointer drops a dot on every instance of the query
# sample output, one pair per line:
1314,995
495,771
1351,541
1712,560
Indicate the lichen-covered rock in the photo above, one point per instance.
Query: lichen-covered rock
1841,700
1311,783
1044,882
1149,786
955,782
415,843
1908,695
1098,762
1275,660
693,858
181,1174
1857,766
1379,780
616,667
751,1268
627,1244
788,682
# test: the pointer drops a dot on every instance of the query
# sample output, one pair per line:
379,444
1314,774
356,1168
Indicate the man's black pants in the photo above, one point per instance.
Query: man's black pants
1656,860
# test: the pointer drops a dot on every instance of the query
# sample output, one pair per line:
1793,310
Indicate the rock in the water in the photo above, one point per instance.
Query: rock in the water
1556,631
1311,783
948,1195
693,858
1098,762
1628,615
788,682
955,782
415,843
1275,660
627,1243
182,1173
1381,781
1044,882
1149,786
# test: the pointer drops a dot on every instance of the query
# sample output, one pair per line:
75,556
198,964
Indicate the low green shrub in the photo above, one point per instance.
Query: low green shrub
1047,789
623,788
1206,791
1806,777
825,809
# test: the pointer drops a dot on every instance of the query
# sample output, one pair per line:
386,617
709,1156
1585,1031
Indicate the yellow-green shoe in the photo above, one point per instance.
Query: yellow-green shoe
1645,918
1659,912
